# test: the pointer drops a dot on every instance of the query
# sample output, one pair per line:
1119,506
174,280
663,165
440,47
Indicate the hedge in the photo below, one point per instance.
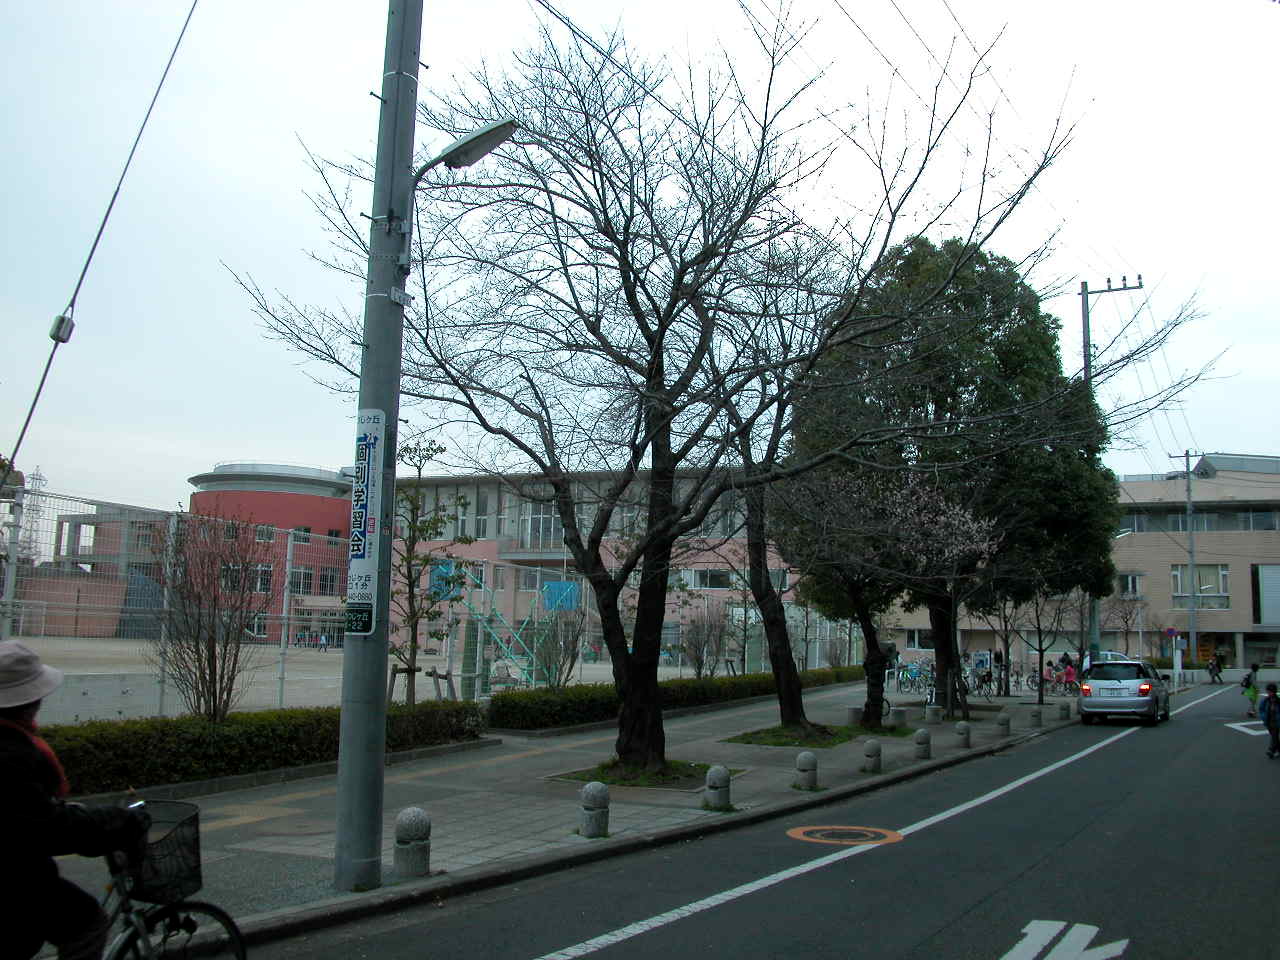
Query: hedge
542,709
109,755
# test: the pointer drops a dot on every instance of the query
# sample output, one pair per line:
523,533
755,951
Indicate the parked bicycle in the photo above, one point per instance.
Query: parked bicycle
169,872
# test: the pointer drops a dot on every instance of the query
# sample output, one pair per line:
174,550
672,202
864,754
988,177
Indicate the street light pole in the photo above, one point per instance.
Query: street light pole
363,726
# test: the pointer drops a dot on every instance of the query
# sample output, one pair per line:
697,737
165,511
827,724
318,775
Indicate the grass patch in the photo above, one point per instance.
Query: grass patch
818,736
674,776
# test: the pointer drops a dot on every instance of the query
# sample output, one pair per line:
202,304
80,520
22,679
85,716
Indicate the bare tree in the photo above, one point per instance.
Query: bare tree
557,645
594,304
422,580
704,640
212,570
1124,612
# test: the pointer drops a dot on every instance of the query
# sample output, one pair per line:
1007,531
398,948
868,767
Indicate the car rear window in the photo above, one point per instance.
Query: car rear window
1115,671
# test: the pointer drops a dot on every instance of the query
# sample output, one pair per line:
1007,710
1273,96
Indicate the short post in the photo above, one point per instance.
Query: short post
923,741
716,795
854,717
594,819
871,756
412,856
1064,711
806,772
933,713
898,717
1035,717
963,733
1004,722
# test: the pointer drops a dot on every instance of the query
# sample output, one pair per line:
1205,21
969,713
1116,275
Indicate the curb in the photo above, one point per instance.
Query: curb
289,921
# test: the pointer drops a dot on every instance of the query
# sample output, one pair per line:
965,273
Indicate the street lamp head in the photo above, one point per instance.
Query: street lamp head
470,147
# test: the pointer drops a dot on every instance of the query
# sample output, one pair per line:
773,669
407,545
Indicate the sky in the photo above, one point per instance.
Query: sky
1170,173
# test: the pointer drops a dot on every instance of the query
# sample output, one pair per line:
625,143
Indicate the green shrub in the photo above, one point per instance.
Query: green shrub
544,709
1166,663
109,755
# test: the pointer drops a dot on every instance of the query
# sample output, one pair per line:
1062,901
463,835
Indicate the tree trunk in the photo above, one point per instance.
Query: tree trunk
773,615
946,657
875,664
642,741
411,675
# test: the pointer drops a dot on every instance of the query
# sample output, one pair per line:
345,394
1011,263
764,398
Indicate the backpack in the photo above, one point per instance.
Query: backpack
1244,681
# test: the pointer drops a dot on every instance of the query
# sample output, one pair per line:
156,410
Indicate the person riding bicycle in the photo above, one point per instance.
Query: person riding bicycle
37,824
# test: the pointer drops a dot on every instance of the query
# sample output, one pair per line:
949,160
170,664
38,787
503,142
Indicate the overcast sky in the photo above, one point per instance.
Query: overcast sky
1171,174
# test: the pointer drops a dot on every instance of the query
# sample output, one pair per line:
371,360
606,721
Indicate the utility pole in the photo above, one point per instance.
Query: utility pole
1095,604
1191,560
363,734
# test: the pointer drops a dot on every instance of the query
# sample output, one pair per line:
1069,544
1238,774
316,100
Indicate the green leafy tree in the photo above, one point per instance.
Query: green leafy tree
972,380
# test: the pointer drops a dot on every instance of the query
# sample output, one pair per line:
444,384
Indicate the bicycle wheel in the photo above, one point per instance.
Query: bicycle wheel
884,706
186,929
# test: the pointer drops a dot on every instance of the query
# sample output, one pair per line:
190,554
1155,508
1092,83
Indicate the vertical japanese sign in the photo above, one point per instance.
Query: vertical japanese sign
366,495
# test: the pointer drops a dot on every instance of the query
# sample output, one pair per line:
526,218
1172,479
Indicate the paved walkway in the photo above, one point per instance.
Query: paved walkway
500,811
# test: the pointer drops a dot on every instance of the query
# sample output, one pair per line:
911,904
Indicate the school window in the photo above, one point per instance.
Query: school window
779,579
262,578
461,518
259,628
335,534
301,534
1129,585
475,575
528,578
301,580
230,531
230,577
482,515
264,533
919,640
707,579
328,583
1212,587
499,578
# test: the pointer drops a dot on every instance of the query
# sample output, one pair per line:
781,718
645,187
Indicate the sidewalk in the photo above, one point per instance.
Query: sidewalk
499,813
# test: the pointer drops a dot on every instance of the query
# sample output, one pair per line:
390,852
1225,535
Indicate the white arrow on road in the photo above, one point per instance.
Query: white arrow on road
1249,727
1074,944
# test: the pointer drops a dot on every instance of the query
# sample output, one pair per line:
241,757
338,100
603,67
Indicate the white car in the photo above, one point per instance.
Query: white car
1123,688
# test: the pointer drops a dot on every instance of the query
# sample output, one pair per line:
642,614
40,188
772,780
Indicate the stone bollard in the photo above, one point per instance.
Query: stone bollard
806,772
871,756
1035,718
854,717
594,819
933,714
963,732
1064,711
412,856
1004,722
898,717
716,796
923,749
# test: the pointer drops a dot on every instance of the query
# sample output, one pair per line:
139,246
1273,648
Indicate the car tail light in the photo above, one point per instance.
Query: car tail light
1086,690
1144,689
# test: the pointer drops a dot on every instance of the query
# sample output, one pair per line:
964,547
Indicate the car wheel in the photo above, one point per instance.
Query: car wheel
1165,715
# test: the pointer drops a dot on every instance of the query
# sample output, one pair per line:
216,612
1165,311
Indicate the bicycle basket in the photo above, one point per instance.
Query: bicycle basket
170,868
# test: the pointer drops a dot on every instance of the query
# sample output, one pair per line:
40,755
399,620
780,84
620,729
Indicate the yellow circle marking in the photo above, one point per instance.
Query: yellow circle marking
844,836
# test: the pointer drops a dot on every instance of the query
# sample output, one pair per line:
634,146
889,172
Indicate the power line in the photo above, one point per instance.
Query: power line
64,324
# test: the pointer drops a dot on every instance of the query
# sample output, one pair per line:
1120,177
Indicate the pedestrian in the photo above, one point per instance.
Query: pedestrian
1269,713
37,905
324,643
1249,687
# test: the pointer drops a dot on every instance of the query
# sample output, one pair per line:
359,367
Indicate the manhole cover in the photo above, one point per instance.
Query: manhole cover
845,836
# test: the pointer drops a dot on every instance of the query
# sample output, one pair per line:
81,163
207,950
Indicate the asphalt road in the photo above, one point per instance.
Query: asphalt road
1104,841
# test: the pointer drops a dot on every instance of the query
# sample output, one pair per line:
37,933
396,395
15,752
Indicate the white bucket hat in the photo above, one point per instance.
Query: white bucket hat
23,678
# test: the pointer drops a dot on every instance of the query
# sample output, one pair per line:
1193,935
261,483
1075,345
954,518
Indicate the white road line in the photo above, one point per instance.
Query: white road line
735,893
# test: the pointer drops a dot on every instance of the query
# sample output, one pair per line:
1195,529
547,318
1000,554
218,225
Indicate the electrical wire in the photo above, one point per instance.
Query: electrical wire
102,226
